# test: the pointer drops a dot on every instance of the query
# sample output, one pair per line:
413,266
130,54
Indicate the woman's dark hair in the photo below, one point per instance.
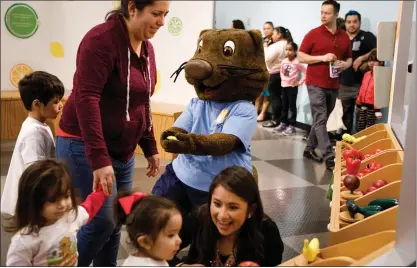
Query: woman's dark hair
286,34
270,24
123,9
249,242
148,216
43,181
238,24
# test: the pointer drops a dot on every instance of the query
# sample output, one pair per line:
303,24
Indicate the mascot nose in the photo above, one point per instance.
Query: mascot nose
198,69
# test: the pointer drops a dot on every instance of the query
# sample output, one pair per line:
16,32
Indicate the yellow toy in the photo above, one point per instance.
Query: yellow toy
311,250
351,139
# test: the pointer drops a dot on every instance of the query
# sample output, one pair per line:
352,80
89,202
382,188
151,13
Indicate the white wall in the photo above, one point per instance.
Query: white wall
300,17
68,21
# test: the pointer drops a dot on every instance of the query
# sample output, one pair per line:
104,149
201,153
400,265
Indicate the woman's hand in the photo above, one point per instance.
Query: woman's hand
153,165
105,177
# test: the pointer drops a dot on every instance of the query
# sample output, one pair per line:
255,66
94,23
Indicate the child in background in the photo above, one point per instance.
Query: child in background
153,224
41,94
47,218
366,111
290,69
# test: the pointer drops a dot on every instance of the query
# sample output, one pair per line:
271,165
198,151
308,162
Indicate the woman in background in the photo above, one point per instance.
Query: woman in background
238,24
263,100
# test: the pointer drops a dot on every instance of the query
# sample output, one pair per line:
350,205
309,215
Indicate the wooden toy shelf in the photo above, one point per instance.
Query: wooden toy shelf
357,252
378,137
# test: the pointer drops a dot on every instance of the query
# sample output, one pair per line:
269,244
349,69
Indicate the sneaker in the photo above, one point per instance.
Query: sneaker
330,163
271,124
280,128
289,131
310,154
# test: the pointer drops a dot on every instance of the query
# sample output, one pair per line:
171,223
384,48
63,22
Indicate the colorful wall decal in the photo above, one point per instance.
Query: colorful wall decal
56,49
116,4
175,26
21,20
18,72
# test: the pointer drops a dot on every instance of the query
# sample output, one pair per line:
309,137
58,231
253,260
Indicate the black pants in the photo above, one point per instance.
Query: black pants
289,103
348,113
274,88
186,198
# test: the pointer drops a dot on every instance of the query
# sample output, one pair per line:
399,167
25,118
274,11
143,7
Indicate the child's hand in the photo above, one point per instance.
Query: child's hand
378,115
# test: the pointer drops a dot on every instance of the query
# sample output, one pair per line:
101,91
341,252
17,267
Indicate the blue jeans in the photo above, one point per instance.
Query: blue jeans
99,240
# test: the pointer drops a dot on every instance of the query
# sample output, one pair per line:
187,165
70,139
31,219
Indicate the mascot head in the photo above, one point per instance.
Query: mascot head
228,65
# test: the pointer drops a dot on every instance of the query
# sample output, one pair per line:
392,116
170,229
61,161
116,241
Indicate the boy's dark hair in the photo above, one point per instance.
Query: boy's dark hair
336,5
285,33
42,86
123,9
249,242
43,181
353,13
149,216
238,24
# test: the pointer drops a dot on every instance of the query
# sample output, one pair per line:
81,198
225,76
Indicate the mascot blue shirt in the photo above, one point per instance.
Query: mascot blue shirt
207,117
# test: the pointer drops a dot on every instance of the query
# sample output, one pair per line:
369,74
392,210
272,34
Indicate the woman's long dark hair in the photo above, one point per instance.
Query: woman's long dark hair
249,241
123,9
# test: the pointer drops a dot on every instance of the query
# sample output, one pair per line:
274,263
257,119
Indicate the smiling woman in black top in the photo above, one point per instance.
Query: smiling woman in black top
232,227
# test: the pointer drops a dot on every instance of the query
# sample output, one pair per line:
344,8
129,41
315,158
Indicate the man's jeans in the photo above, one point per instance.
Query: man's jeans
99,240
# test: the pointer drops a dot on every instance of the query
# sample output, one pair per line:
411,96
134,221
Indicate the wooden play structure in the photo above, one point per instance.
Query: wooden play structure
385,237
13,113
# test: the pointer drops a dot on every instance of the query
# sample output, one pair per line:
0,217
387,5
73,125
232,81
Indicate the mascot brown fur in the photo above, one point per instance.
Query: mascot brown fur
228,72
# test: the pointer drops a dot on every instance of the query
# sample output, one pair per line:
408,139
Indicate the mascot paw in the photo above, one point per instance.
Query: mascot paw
179,144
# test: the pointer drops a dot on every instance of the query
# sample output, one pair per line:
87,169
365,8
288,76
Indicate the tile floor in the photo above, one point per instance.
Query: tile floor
293,189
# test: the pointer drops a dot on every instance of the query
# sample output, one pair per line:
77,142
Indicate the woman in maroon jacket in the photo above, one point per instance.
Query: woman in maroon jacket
108,114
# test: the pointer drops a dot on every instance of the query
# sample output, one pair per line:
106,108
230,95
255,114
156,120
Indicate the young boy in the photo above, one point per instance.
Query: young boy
41,94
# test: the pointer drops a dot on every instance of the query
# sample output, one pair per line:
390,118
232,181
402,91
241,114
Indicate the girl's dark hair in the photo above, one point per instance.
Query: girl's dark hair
340,24
148,216
294,46
123,9
373,56
238,24
43,181
249,242
286,34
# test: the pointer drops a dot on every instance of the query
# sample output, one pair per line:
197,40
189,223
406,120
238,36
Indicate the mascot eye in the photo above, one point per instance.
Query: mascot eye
229,48
200,45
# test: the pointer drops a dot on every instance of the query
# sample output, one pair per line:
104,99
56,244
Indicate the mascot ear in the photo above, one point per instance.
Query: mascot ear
203,31
256,36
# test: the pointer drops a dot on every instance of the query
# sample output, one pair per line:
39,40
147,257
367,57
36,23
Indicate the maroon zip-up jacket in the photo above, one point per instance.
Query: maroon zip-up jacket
97,108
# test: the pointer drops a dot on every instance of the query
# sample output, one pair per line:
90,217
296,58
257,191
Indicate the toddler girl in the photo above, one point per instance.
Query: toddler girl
47,218
153,224
366,111
290,70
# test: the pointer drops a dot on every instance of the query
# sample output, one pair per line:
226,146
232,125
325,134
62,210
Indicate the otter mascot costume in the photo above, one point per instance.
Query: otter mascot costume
215,130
